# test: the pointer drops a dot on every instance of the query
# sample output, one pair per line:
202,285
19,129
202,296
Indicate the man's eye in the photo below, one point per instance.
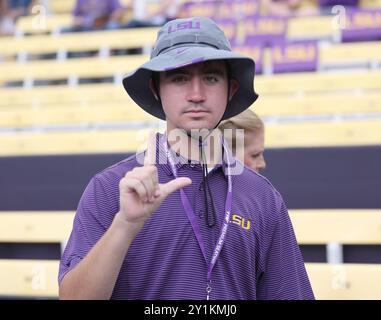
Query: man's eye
255,155
211,79
178,79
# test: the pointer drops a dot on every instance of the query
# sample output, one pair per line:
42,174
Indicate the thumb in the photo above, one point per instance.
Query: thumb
176,184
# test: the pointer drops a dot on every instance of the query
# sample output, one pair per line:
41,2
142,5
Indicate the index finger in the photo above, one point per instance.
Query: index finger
150,155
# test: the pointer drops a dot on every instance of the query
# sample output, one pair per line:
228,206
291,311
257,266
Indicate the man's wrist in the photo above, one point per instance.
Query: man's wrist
127,227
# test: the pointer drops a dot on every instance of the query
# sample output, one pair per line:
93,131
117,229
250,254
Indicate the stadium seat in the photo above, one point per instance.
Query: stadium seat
76,108
303,28
270,102
330,55
40,226
323,133
318,105
72,114
60,7
32,278
278,135
370,4
345,281
56,70
306,82
37,24
344,226
29,278
76,42
312,82
350,54
73,142
38,278
52,95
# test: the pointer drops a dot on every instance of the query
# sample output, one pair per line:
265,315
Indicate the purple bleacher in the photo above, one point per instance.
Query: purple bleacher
362,25
217,9
295,57
229,26
240,20
204,8
254,50
237,9
331,3
266,30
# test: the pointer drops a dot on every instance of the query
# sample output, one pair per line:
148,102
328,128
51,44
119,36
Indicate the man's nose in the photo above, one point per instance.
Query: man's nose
196,92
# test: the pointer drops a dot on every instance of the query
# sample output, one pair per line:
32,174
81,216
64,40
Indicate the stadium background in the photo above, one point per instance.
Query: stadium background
64,116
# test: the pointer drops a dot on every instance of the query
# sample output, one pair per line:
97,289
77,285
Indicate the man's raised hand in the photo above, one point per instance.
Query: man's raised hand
140,192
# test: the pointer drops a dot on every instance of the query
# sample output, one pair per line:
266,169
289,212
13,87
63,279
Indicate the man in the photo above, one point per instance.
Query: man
173,229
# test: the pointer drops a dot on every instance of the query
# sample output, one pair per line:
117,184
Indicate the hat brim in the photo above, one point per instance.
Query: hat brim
241,68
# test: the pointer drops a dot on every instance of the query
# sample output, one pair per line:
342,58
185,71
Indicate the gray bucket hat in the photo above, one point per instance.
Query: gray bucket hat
183,42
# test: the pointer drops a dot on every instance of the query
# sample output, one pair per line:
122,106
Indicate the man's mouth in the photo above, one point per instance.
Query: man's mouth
196,111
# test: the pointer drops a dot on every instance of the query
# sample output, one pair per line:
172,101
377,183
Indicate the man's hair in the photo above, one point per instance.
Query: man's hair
156,82
246,120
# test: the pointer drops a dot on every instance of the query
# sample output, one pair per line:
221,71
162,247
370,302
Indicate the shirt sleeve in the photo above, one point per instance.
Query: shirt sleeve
94,215
284,276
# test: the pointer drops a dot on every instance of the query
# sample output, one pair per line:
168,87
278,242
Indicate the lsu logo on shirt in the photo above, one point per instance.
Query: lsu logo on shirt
242,222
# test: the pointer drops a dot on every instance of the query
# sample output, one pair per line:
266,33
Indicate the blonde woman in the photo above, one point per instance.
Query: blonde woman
254,139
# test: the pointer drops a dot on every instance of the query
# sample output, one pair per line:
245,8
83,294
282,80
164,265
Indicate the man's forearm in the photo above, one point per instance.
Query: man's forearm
95,276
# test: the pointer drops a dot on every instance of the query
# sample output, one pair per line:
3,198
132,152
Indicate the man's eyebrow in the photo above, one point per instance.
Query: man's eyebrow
170,73
214,70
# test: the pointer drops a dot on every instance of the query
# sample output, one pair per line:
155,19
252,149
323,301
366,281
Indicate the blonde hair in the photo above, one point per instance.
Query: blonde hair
246,120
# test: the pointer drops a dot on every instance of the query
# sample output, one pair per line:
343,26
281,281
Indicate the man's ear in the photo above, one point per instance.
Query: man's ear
234,85
153,88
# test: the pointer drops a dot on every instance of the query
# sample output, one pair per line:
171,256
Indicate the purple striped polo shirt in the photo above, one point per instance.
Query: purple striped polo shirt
260,258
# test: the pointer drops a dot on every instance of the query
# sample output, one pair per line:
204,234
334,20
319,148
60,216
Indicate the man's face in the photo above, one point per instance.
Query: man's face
195,97
254,148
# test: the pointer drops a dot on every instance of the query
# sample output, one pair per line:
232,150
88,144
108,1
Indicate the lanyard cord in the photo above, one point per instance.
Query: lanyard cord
210,219
193,221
